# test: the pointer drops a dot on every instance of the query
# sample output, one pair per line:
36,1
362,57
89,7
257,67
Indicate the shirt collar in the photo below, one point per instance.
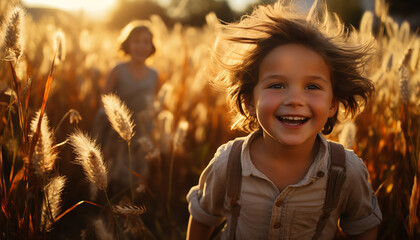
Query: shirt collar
318,168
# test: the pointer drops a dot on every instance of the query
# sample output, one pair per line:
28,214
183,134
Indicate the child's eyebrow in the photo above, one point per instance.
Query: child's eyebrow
284,77
317,77
273,76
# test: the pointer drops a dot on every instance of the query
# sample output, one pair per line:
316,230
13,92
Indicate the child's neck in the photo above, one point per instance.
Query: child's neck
285,153
283,165
138,69
137,64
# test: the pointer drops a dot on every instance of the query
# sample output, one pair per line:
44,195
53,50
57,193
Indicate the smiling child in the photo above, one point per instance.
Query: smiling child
286,88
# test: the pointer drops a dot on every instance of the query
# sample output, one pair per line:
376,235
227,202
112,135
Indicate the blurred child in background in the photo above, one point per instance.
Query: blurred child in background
135,83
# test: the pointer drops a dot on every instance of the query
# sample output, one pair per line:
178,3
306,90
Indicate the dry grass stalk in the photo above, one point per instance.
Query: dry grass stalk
52,202
89,156
44,155
119,116
12,35
413,219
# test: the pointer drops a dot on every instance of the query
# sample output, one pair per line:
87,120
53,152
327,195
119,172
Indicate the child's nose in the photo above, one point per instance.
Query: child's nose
294,97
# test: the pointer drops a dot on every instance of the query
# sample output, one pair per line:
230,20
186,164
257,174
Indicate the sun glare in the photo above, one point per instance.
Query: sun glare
93,6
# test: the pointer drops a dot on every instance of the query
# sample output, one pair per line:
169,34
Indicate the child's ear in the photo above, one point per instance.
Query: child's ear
333,108
251,108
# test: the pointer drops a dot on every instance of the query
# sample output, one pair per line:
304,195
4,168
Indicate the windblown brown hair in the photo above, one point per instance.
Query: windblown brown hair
242,46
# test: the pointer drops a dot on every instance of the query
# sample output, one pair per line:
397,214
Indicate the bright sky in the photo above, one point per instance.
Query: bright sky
93,6
239,5
98,6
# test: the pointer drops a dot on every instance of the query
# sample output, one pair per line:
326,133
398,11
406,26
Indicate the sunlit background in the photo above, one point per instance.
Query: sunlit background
386,135
99,8
86,5
192,12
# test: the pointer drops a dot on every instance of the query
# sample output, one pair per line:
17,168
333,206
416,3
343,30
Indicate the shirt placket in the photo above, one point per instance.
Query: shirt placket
277,222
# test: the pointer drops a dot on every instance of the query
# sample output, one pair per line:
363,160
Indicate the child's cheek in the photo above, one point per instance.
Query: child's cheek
269,101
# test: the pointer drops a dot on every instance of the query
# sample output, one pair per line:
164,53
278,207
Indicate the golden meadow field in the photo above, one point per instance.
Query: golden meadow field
53,174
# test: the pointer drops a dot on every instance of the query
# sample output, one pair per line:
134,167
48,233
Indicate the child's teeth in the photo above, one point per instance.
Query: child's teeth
294,118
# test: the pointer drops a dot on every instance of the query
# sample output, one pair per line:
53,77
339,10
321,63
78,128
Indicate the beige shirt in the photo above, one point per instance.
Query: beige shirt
267,213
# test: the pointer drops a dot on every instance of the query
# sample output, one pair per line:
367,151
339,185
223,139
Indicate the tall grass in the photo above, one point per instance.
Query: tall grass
190,121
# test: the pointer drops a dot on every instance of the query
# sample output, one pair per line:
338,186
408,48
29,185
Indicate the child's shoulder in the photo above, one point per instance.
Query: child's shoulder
153,71
221,156
153,74
117,67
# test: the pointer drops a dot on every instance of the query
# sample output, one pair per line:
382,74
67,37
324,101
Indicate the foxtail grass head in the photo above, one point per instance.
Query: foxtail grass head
52,202
89,156
131,215
59,46
44,156
348,135
404,84
128,211
12,46
97,229
101,230
119,116
180,134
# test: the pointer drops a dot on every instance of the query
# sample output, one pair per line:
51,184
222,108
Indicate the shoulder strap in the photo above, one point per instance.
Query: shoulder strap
234,182
336,177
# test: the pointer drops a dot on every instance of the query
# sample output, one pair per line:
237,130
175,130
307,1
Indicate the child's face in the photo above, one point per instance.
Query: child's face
140,45
293,98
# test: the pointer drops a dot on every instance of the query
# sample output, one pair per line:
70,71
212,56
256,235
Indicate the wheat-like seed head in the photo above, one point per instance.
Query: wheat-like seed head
133,223
164,91
348,134
60,46
44,156
145,143
180,134
119,116
101,230
74,116
404,84
128,211
89,156
52,202
165,123
12,35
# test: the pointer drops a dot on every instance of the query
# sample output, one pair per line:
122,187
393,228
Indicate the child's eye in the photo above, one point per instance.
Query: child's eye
312,87
277,86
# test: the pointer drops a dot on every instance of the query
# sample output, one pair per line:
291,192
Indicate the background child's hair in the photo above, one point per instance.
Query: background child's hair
129,30
242,46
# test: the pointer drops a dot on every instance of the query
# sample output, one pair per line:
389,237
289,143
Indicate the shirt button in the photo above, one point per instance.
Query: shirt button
278,203
320,174
276,225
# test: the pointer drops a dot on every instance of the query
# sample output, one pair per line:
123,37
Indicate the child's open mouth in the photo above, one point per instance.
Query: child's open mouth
292,120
